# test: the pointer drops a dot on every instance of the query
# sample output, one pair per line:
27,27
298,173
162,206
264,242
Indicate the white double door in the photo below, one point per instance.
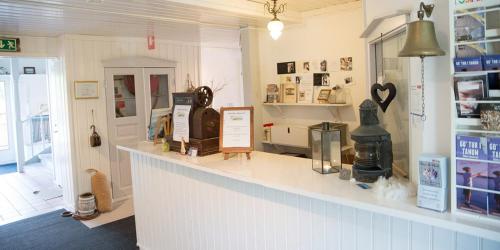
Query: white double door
132,94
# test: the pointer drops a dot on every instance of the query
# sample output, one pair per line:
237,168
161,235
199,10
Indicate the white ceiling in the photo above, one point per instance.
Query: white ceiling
139,17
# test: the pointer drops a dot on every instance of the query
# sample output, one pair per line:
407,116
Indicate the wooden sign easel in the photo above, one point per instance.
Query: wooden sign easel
228,150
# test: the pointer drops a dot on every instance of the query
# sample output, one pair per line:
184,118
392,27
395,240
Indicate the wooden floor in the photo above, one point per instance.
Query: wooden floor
19,198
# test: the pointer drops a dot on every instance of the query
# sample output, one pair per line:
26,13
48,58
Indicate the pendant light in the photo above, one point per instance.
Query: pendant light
275,26
421,42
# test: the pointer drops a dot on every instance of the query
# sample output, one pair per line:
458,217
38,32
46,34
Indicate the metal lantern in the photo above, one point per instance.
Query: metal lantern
326,149
373,146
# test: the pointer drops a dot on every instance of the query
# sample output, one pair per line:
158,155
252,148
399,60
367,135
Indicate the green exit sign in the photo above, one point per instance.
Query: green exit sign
9,45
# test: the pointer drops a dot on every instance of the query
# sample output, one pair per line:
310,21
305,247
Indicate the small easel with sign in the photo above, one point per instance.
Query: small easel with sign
236,131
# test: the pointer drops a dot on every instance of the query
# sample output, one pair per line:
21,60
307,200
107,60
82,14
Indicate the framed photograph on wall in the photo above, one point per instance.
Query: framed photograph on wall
286,68
86,89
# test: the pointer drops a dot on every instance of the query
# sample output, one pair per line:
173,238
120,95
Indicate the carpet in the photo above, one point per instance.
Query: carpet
51,231
8,168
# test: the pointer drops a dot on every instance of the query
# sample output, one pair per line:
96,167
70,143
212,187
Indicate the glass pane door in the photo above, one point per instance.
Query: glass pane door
394,69
159,88
124,88
158,84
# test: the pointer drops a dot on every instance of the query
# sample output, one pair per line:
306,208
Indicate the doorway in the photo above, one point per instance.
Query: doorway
26,137
133,95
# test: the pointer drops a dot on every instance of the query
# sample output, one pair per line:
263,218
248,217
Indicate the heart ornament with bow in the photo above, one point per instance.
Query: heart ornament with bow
382,88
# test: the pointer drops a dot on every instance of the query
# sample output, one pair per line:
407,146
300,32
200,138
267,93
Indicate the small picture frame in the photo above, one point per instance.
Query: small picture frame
29,70
323,96
193,151
86,89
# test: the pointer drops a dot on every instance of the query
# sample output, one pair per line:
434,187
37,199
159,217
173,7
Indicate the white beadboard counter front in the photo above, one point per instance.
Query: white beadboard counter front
284,176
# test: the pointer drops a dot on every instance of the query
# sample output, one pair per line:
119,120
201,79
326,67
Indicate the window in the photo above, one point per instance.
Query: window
395,120
124,86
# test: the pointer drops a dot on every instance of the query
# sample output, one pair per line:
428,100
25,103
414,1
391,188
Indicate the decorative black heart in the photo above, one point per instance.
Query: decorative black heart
383,103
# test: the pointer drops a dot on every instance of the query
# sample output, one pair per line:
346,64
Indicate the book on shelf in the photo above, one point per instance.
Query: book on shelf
305,93
432,184
272,93
289,93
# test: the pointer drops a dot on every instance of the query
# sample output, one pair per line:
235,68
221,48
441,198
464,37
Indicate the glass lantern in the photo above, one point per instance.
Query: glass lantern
326,149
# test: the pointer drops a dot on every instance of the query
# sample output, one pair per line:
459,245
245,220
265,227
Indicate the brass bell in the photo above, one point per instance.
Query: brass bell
421,36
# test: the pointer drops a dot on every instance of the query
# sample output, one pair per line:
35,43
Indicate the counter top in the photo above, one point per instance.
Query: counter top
294,175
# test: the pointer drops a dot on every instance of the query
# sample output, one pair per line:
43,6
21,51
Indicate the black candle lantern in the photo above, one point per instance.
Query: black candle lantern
373,146
326,149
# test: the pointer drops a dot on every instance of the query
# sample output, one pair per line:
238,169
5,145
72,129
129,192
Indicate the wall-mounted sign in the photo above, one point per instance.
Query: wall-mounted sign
9,45
86,89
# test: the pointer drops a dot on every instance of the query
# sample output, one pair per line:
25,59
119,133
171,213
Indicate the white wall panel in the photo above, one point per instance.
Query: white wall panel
181,208
83,57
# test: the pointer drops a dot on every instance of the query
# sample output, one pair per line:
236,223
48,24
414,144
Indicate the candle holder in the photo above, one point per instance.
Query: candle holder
326,149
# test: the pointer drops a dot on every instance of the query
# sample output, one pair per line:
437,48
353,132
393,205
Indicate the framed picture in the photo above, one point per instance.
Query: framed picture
346,63
86,89
323,96
321,79
323,66
29,70
306,67
286,68
236,130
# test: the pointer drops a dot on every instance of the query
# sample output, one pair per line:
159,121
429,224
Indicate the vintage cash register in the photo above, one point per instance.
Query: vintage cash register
203,121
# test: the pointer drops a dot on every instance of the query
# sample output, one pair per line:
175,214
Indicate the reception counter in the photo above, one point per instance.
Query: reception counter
278,202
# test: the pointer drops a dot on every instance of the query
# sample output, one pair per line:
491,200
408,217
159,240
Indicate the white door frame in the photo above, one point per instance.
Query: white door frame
9,155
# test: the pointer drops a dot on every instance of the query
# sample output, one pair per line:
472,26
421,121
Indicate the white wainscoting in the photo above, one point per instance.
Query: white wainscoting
82,57
182,208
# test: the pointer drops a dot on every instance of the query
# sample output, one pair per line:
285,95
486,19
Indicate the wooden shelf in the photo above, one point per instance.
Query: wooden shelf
487,40
479,101
344,148
307,104
474,73
474,129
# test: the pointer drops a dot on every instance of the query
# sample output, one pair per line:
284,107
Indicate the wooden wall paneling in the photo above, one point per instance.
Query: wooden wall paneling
381,232
469,242
399,234
83,56
364,228
441,239
348,227
205,211
420,236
